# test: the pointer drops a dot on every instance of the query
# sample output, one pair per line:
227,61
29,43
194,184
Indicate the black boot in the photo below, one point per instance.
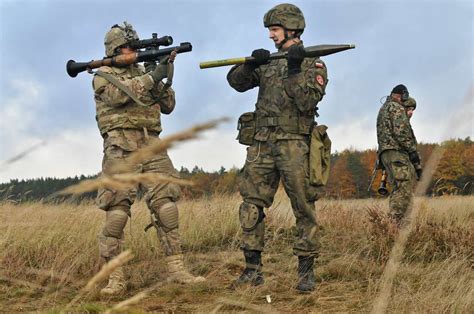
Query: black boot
306,279
252,273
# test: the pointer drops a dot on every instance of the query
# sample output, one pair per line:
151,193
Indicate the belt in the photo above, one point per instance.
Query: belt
301,124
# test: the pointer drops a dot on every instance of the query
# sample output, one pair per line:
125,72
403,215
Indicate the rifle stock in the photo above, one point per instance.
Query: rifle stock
310,52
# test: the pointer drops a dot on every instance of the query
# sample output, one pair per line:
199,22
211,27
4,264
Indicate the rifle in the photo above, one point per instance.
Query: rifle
310,52
382,190
152,53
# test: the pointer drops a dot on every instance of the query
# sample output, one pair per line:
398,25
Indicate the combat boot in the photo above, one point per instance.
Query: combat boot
177,272
116,285
252,273
306,279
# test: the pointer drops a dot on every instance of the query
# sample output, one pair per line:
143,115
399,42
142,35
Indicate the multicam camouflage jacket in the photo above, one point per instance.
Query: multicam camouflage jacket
286,105
116,110
393,128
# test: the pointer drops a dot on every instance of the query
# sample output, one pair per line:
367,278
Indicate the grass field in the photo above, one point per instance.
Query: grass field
49,252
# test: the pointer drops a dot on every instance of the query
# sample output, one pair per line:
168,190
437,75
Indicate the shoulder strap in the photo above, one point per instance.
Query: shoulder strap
120,86
169,80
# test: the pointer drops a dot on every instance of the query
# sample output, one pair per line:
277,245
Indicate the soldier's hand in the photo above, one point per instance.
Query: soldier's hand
172,56
296,55
149,66
159,73
261,56
414,158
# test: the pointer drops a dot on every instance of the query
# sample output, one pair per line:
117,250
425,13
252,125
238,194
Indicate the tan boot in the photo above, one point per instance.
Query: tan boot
116,285
177,272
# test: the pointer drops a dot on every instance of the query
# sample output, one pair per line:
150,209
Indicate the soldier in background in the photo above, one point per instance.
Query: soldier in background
289,91
129,103
397,149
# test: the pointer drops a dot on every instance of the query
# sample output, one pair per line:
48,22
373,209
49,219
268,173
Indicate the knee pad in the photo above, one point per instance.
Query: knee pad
167,216
115,221
250,216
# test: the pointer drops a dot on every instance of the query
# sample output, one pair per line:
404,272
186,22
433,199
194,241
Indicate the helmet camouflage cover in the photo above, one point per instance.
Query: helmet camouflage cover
117,36
410,103
287,15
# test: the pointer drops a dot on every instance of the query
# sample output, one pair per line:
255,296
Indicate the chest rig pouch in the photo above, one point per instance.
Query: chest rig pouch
246,128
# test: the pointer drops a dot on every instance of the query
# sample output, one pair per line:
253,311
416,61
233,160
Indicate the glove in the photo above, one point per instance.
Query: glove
414,158
159,73
261,56
296,55
149,66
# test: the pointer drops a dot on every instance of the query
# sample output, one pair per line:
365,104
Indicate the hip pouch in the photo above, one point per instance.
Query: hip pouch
319,156
246,128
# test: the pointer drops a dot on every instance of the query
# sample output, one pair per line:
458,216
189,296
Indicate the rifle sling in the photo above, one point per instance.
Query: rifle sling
120,86
169,79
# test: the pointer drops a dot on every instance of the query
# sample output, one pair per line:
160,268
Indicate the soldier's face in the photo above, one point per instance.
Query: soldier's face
125,50
410,112
277,34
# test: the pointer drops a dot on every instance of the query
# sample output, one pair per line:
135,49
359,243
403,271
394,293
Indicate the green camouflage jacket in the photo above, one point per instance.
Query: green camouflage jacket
393,128
286,106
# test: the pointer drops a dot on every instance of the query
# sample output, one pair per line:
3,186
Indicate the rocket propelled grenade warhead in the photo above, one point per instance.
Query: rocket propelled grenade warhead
311,52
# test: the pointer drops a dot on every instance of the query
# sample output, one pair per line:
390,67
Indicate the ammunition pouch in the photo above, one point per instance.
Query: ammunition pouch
319,156
246,128
289,124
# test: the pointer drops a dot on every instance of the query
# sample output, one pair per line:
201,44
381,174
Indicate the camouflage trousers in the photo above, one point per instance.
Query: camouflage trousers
402,178
267,163
118,145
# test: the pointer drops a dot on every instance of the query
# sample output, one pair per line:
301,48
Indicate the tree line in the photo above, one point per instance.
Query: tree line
350,175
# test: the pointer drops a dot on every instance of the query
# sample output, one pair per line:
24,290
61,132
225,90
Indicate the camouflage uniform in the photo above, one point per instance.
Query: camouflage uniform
285,111
127,126
289,91
396,142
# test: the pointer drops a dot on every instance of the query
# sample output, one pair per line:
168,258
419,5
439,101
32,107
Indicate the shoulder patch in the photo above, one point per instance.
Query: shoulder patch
99,82
320,79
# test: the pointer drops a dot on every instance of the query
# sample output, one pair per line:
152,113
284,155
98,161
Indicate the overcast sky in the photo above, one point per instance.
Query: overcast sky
426,45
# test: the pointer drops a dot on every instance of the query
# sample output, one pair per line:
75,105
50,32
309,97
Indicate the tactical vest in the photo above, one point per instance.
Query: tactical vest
131,115
274,107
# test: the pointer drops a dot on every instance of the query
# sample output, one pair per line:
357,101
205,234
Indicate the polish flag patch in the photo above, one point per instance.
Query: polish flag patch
319,65
320,79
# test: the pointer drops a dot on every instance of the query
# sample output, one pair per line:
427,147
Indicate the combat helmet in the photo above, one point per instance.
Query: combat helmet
118,36
410,103
287,15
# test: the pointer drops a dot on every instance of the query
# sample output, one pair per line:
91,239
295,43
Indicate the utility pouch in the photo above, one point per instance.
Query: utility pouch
319,156
246,128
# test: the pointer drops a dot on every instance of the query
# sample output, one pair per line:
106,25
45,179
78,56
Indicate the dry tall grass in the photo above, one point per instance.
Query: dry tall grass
48,253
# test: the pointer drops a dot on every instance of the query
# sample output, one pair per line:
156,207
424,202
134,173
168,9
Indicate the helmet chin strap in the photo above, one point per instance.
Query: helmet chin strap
286,39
